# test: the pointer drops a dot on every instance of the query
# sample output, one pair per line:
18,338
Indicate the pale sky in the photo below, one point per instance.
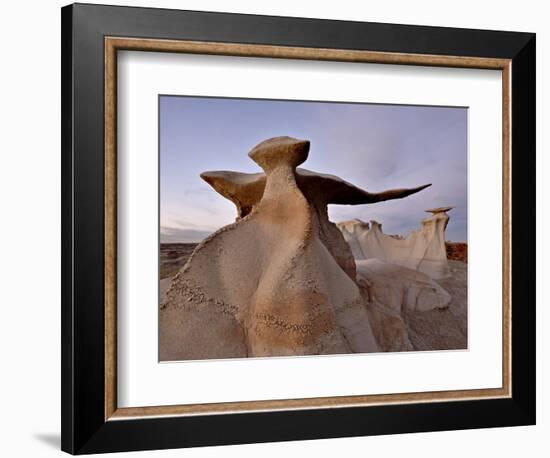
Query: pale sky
375,147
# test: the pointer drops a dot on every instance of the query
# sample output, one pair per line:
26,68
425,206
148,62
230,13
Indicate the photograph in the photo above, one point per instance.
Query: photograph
280,226
305,227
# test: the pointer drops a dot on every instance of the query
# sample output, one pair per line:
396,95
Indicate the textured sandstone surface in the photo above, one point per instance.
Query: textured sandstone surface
400,288
394,294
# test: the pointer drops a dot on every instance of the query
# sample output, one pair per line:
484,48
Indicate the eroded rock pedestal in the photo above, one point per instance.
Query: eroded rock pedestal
279,281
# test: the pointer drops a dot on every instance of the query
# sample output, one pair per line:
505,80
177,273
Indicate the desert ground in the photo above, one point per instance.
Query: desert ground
173,257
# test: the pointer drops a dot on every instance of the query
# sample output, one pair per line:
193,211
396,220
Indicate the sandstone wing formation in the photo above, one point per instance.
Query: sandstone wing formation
281,280
245,190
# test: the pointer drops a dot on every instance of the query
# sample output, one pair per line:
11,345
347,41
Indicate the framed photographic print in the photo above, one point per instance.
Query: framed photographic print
284,228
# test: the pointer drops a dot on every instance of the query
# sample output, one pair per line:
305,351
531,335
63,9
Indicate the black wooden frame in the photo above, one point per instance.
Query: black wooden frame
84,429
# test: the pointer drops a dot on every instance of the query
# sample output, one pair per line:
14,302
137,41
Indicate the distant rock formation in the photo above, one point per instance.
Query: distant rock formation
457,251
423,250
279,281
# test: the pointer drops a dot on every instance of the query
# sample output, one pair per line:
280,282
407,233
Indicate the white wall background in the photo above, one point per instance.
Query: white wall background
30,226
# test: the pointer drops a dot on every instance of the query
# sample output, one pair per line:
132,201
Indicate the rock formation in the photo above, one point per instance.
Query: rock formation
400,288
393,293
423,250
281,280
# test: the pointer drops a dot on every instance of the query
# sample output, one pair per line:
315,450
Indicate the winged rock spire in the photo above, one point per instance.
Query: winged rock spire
245,190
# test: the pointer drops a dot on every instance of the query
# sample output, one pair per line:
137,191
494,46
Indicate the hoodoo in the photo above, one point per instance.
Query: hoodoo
423,250
281,280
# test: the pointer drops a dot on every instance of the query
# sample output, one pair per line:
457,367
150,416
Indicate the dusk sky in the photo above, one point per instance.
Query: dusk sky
375,147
